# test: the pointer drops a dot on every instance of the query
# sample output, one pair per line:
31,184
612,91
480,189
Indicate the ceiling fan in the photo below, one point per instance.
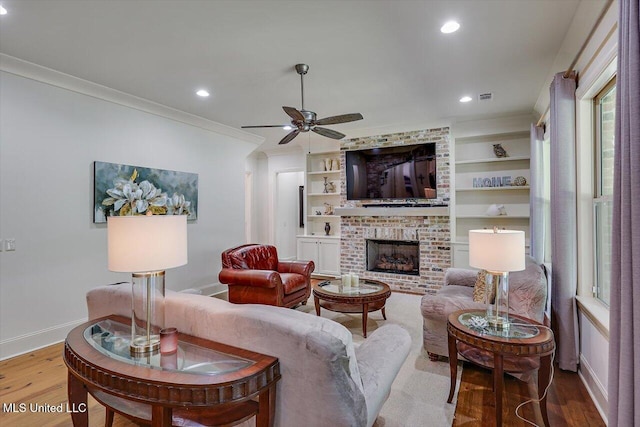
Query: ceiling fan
304,121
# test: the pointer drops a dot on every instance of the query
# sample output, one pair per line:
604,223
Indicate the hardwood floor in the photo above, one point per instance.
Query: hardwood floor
568,402
41,377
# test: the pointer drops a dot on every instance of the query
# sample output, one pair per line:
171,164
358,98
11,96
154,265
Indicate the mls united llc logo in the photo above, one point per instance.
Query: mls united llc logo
44,407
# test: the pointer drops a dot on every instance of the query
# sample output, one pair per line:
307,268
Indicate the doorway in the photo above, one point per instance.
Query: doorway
287,221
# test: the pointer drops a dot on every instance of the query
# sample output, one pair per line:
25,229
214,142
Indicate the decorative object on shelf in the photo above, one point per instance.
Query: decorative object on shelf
146,246
335,165
499,151
318,213
327,228
329,186
496,210
519,181
498,252
328,209
327,164
125,190
494,181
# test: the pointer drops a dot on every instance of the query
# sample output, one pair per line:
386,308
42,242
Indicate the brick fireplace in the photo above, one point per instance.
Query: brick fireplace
427,229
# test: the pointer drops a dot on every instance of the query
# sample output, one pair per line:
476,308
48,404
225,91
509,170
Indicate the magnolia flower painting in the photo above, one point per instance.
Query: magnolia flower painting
122,190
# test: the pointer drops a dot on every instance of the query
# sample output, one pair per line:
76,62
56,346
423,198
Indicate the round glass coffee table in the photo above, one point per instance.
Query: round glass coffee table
370,295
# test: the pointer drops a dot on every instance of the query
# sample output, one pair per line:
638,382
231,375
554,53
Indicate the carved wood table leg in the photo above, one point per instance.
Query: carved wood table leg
453,365
161,416
365,315
316,301
108,417
543,382
77,393
498,385
384,315
266,408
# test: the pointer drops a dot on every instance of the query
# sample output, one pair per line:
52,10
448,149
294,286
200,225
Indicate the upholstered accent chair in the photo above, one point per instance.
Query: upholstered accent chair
256,276
527,297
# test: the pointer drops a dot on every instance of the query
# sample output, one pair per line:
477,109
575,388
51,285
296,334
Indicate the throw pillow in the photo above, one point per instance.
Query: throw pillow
480,288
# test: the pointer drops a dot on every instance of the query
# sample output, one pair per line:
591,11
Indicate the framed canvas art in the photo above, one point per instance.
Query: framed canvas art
136,190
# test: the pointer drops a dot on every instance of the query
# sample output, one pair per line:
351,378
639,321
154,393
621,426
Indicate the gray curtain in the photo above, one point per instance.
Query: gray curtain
564,252
624,317
536,195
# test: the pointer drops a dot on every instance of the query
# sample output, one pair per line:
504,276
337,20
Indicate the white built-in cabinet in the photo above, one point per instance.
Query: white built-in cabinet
321,197
482,179
323,251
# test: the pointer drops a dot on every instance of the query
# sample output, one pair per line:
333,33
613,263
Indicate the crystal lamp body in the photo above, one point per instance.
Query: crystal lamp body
147,307
497,308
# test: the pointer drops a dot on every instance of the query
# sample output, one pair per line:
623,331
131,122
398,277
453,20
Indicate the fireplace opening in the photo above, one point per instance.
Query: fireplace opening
393,256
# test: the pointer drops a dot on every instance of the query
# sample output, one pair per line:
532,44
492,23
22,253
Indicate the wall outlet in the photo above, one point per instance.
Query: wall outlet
9,245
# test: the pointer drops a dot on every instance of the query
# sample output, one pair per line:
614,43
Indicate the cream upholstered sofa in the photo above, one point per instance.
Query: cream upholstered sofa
527,297
326,380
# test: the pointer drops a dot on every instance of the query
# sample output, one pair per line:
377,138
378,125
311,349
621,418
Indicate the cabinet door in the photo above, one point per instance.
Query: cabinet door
308,251
329,257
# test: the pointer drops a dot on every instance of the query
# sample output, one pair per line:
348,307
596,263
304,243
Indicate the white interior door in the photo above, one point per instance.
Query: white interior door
286,212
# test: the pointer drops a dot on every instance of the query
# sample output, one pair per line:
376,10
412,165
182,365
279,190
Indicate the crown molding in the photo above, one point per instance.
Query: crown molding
29,70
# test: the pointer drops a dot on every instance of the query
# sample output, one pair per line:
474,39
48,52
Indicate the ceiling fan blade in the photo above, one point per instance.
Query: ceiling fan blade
328,133
263,126
289,137
343,118
293,113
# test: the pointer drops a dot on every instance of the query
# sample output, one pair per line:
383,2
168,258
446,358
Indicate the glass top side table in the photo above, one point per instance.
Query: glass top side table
112,339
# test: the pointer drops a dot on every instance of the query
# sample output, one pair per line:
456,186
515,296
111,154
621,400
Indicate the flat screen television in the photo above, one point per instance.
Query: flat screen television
402,172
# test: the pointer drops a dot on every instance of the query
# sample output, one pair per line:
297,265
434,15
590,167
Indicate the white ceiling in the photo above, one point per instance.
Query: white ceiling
385,59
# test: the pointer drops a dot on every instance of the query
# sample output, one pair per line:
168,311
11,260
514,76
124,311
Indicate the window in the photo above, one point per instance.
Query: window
605,109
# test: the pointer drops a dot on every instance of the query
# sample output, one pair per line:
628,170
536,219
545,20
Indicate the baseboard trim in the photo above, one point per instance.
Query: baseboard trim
594,387
26,343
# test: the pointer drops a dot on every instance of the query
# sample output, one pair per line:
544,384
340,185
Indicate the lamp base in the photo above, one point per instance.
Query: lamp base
498,322
147,317
142,345
497,309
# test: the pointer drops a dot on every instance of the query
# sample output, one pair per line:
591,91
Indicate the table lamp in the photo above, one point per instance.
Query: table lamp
498,252
146,246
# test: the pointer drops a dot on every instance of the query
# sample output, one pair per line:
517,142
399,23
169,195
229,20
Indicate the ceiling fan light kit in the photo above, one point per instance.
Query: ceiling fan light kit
304,120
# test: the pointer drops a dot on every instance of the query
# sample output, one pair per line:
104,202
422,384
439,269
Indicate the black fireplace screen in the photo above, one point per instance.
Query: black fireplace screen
393,256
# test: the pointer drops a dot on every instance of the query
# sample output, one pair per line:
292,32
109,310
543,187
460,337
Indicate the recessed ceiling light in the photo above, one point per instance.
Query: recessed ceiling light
287,127
203,93
466,99
3,11
450,27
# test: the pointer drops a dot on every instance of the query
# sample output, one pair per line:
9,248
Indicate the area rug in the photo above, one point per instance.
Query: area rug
419,393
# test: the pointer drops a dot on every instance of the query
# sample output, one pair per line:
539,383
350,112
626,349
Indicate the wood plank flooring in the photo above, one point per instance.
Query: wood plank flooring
41,377
568,402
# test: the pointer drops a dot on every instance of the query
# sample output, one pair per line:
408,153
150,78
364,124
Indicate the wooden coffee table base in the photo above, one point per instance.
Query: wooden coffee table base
364,308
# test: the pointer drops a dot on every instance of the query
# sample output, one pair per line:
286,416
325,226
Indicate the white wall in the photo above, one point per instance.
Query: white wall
49,139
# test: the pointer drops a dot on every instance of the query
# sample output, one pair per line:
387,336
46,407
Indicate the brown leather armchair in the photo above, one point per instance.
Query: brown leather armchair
255,276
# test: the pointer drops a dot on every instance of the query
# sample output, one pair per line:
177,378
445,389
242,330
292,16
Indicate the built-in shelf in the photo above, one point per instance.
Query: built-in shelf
513,187
322,194
492,160
322,216
386,211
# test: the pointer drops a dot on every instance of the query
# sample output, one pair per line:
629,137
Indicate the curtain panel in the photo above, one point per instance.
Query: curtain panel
564,250
536,195
624,315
